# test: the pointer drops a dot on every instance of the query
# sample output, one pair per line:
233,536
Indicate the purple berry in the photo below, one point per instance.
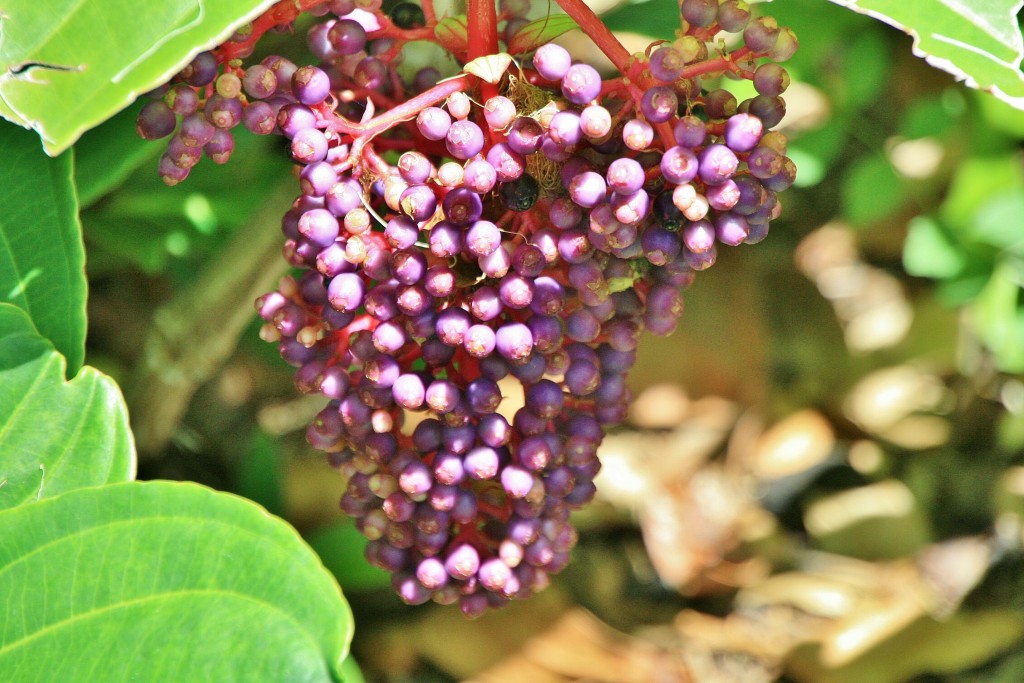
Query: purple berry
581,84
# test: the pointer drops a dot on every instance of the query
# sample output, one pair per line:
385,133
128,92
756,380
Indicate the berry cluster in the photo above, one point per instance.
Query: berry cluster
479,260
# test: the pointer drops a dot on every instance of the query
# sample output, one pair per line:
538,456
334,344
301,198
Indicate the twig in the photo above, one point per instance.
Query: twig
192,335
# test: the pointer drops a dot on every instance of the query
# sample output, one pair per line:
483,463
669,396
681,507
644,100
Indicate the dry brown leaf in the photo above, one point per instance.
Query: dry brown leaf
579,647
464,647
729,650
690,525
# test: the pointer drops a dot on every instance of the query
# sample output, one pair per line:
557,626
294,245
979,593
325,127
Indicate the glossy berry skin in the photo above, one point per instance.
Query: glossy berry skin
659,104
347,36
464,139
552,61
743,132
433,123
310,85
156,120
581,84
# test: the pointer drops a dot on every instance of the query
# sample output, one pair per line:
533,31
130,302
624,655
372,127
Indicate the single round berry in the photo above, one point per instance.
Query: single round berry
520,194
408,15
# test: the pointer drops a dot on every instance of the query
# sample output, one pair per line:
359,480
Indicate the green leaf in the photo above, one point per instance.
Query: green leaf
931,117
866,63
978,42
350,671
998,221
820,27
1001,116
648,18
964,287
42,260
452,31
541,31
871,190
930,252
106,156
977,179
261,472
815,152
998,316
341,546
55,435
73,64
163,582
152,225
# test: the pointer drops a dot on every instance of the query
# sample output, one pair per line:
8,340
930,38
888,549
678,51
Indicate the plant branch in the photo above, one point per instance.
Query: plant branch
192,335
482,30
405,111
602,36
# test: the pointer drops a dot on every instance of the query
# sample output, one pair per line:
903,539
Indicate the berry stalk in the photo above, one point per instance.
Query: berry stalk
403,112
482,29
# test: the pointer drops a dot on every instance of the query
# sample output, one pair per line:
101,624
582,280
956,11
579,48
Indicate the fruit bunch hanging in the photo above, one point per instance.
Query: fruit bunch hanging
478,252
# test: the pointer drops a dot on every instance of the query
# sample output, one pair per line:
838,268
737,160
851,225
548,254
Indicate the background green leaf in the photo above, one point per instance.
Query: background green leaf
871,190
540,31
42,261
341,546
106,155
153,225
162,581
979,42
999,316
649,18
930,252
73,65
55,435
976,180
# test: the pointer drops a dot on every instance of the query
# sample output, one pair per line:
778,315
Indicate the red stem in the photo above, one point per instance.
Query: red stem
725,63
407,110
482,30
428,12
402,35
595,29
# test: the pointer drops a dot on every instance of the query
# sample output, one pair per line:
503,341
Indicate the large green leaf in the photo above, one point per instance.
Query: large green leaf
42,261
165,582
55,435
979,42
71,64
350,671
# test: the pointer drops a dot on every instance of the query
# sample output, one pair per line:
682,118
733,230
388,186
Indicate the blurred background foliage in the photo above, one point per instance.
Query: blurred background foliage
822,478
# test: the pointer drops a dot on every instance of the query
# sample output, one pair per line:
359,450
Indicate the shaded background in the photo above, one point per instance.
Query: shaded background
822,478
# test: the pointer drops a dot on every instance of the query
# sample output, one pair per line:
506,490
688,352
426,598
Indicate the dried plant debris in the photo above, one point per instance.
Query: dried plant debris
579,647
